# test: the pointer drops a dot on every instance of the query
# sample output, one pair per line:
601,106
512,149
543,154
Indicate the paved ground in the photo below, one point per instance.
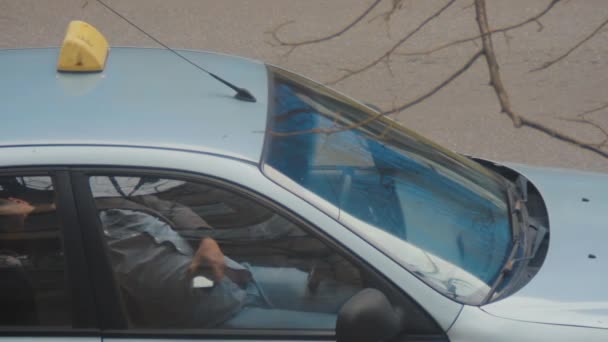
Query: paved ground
464,117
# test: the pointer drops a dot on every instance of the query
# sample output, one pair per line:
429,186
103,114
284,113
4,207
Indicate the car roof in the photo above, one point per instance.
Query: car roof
144,97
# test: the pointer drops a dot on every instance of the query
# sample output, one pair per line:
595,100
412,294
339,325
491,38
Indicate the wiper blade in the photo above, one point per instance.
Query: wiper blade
241,93
506,268
518,222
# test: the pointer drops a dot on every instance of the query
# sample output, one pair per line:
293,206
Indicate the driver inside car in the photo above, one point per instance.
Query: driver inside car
167,281
168,284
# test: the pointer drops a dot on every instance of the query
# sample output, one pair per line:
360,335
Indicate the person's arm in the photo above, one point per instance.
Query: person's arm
44,208
209,254
15,206
181,216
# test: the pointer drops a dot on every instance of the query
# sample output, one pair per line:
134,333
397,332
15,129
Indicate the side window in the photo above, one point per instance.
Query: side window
33,289
189,255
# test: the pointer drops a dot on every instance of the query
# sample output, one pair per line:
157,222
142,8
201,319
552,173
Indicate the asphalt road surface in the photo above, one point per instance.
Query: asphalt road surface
464,116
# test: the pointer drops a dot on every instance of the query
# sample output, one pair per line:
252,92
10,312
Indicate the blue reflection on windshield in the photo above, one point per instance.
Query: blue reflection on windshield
421,198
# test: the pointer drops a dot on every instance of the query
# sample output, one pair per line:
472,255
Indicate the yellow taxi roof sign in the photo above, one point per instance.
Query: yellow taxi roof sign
84,49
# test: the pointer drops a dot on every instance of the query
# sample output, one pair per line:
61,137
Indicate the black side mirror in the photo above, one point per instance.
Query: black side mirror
367,317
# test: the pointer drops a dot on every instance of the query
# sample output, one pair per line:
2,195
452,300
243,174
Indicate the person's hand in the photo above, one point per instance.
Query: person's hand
19,207
210,255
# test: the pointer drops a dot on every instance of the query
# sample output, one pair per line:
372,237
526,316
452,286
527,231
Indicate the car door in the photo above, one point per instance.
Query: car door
155,238
45,292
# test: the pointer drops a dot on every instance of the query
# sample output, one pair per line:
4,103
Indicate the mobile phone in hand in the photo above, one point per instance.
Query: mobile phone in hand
202,282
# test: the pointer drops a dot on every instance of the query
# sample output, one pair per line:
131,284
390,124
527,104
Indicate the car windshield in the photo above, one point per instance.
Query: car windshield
440,215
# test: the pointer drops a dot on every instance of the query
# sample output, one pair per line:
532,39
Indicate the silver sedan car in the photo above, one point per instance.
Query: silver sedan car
146,202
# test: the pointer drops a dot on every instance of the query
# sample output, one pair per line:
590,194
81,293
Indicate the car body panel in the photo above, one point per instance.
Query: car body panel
144,97
149,109
246,175
475,325
570,288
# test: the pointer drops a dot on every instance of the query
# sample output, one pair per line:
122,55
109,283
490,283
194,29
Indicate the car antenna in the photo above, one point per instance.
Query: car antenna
241,93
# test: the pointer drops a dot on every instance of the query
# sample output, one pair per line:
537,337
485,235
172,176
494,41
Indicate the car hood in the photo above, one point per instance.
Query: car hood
571,287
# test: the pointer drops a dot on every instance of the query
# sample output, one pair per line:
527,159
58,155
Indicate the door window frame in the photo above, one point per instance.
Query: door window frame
76,269
108,293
